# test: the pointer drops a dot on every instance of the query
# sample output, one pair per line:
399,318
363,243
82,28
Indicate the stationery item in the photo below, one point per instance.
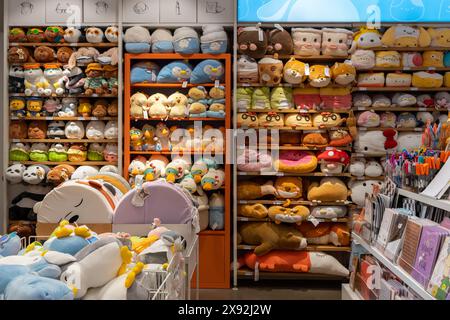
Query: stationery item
439,285
440,184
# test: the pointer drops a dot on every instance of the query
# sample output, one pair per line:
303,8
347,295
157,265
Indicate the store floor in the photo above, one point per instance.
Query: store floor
301,290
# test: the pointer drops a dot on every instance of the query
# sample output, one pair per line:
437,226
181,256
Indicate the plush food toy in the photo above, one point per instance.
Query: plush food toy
388,120
424,79
252,41
137,40
17,107
249,190
162,41
44,54
371,79
253,211
406,120
247,120
247,69
340,138
214,39
433,59
261,98
406,36
299,120
72,35
95,152
186,41
404,99
336,98
287,138
17,35
288,187
14,173
37,130
279,42
57,152
333,161
60,174
281,98
343,73
111,152
328,190
16,79
271,120
307,41
56,129
360,188
39,152
363,59
336,42
77,152
174,72
412,59
368,119
296,214
270,71
95,82
315,139
269,236
398,80
329,212
74,130
33,79
381,101
388,59
337,234
327,120
319,76
447,79
366,38
18,129
19,54
294,71
295,161
253,161
54,34
440,37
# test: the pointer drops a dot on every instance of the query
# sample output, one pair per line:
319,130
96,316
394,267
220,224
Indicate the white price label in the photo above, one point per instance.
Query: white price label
145,114
414,89
362,88
217,83
185,84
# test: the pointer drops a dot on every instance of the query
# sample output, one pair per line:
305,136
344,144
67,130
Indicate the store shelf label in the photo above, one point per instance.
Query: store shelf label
414,89
217,83
362,108
185,84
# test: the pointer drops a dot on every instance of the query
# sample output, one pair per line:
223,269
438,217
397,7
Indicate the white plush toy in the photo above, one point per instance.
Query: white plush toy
362,100
442,100
404,99
178,105
357,167
72,35
213,141
74,130
213,180
188,183
112,34
381,101
370,142
54,80
373,169
111,130
177,169
360,188
155,167
83,172
35,174
158,104
162,138
136,168
94,35
329,212
95,130
34,80
14,173
109,169
138,102
409,141
69,107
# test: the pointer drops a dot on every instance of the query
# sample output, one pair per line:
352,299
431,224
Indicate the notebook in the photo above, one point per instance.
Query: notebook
439,285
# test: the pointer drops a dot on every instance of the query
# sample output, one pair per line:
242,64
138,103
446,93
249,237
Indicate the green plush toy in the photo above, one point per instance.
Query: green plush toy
261,98
244,98
281,98
39,152
95,152
19,152
57,153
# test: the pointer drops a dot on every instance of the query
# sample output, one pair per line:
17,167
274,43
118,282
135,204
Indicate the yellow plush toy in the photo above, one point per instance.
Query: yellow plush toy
402,36
424,79
280,214
447,79
343,73
398,80
319,76
294,71
388,59
440,37
329,190
366,39
433,59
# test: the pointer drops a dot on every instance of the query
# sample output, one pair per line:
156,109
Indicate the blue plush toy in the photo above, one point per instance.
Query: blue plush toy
9,244
406,120
162,41
8,273
207,71
216,103
216,211
186,41
214,39
33,287
177,71
70,245
137,40
144,72
447,59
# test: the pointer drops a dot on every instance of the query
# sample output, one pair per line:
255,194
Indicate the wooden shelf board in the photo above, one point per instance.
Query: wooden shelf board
396,129
212,233
297,128
248,273
308,248
413,69
177,119
287,148
174,152
307,58
66,95
64,118
398,89
296,111
289,174
176,56
50,163
171,85
287,85
400,109
381,178
246,219
64,140
410,49
65,44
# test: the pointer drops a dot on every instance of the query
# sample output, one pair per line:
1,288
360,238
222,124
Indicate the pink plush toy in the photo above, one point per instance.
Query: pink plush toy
442,100
307,98
368,119
388,120
252,160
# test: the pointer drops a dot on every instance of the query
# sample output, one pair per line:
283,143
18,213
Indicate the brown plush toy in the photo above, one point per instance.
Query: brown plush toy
252,42
44,54
269,236
37,130
18,129
270,71
113,109
60,174
249,190
100,108
329,190
290,138
22,229
279,41
54,34
63,54
257,210
19,54
315,139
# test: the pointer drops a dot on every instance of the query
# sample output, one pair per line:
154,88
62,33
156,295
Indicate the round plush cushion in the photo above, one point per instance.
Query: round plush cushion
329,212
252,160
296,162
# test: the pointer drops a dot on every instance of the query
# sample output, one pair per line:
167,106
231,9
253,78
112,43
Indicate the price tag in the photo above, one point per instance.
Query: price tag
74,44
358,155
217,83
288,85
406,68
185,84
145,114
280,174
362,88
422,109
306,69
244,219
362,129
245,85
314,221
414,89
48,118
418,129
15,140
362,108
278,203
431,68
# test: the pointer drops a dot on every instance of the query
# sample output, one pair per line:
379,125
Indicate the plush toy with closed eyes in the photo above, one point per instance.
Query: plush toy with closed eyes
174,72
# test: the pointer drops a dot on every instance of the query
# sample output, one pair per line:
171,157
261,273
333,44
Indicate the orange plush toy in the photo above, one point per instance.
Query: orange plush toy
337,234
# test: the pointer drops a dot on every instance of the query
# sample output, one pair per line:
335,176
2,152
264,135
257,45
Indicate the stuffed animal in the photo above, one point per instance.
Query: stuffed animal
112,34
366,38
158,105
361,168
252,41
216,102
136,136
336,42
319,76
174,72
333,161
44,54
296,214
57,152
162,41
95,130
177,105
409,141
113,108
16,79
382,101
207,71
288,187
200,167
340,138
111,75
388,120
371,79
214,39
424,79
370,142
271,120
270,71
247,120
247,70
111,131
69,107
177,169
56,129
315,139
434,59
144,72
406,36
186,41
54,80
39,152
258,211
440,37
360,188
34,107
335,98
442,100
17,35
137,40
404,99
100,108
295,162
72,35
253,161
83,57
326,233
388,59
261,98
362,100
423,118
95,152
363,59
54,34
213,179
18,129
111,152
74,79
17,107
33,79
279,42
198,102
398,80
298,120
82,172
137,102
368,119
95,82
307,41
327,120
269,236
74,130
412,59
136,167
249,190
328,190
216,211
51,106
34,287
37,130
343,73
19,152
155,167
281,98
60,174
406,120
294,71
329,212
162,137
14,173
19,54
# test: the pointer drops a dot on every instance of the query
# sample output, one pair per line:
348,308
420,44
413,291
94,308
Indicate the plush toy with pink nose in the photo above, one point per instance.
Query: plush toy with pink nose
336,41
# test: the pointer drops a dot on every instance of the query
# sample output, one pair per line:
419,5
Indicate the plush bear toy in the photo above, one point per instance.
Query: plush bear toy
17,107
252,41
34,107
14,173
100,108
18,129
63,54
279,42
111,74
45,54
54,80
113,108
270,71
95,82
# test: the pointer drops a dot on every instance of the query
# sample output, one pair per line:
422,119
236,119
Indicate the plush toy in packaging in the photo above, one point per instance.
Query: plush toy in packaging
19,152
336,42
307,41
319,76
363,59
95,82
315,139
270,71
298,120
34,107
360,188
44,54
381,101
162,41
362,100
16,79
95,152
333,161
77,152
401,36
398,79
336,98
177,71
247,70
214,39
388,59
111,152
69,107
144,72
388,120
307,98
424,79
294,71
58,152
138,102
412,59
440,37
371,79
271,120
281,98
19,54
186,41
94,130
279,42
406,120
247,120
54,34
403,99
17,35
327,120
207,71
252,41
137,40
72,35
365,39
39,152
37,130
34,79
328,190
18,129
74,130
368,119
17,107
340,138
434,59
56,129
295,161
343,73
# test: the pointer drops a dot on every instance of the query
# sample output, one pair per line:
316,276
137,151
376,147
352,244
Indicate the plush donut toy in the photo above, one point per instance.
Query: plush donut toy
296,161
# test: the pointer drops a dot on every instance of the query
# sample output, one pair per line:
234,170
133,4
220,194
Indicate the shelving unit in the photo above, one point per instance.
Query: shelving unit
437,203
398,89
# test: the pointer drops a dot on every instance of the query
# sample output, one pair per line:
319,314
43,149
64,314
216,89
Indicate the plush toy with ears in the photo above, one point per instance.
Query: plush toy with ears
406,36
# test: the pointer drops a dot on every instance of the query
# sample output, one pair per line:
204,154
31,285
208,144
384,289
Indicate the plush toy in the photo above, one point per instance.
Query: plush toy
434,59
162,41
138,101
328,190
177,105
315,139
388,59
216,102
382,101
388,120
327,120
37,130
111,131
261,98
258,211
75,130
95,152
319,76
440,37
54,34
207,71
247,120
343,73
186,41
269,236
19,54
398,80
249,190
44,54
162,137
406,36
177,71
329,212
253,161
39,152
18,129
363,59
13,173
362,100
17,107
33,79
56,129
177,169
271,120
296,214
412,59
57,152
16,79
295,162
144,72
74,80
247,69
424,79
95,82
158,106
136,167
326,233
77,153
82,172
111,152
288,187
17,35
136,139
35,174
252,41
213,179
34,107
137,40
19,152
409,141
333,161
270,71
214,39
447,59
111,75
72,35
406,120
442,100
361,168
63,55
100,108
155,167
371,79
294,71
112,34
404,99
198,102
279,42
340,138
370,142
51,106
335,98
360,188
216,212
54,80
307,41
113,108
366,38
34,287
423,118
298,120
336,42
83,57
69,107
281,98
368,119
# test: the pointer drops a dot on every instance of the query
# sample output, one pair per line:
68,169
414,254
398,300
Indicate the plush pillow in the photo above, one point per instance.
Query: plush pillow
328,190
340,138
333,161
244,98
363,59
366,38
270,71
247,120
279,42
409,141
433,59
425,79
370,142
144,72
412,59
74,130
214,39
13,173
137,40
298,120
336,98
307,41
289,187
39,152
34,287
404,99
373,169
19,152
362,100
388,59
388,120
271,120
368,119
162,41
336,42
261,98
82,172
207,71
398,80
295,162
247,70
95,130
360,188
111,131
371,79
307,98
381,101
281,98
406,36
357,167
406,120
343,73
252,41
177,71
329,212
315,139
319,76
252,160
186,41
294,71
440,37
327,120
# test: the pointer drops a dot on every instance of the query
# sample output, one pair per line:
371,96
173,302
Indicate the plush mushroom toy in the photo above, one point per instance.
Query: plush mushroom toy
333,161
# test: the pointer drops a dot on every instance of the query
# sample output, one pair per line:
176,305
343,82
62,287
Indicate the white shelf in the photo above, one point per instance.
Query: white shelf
395,269
441,204
348,294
